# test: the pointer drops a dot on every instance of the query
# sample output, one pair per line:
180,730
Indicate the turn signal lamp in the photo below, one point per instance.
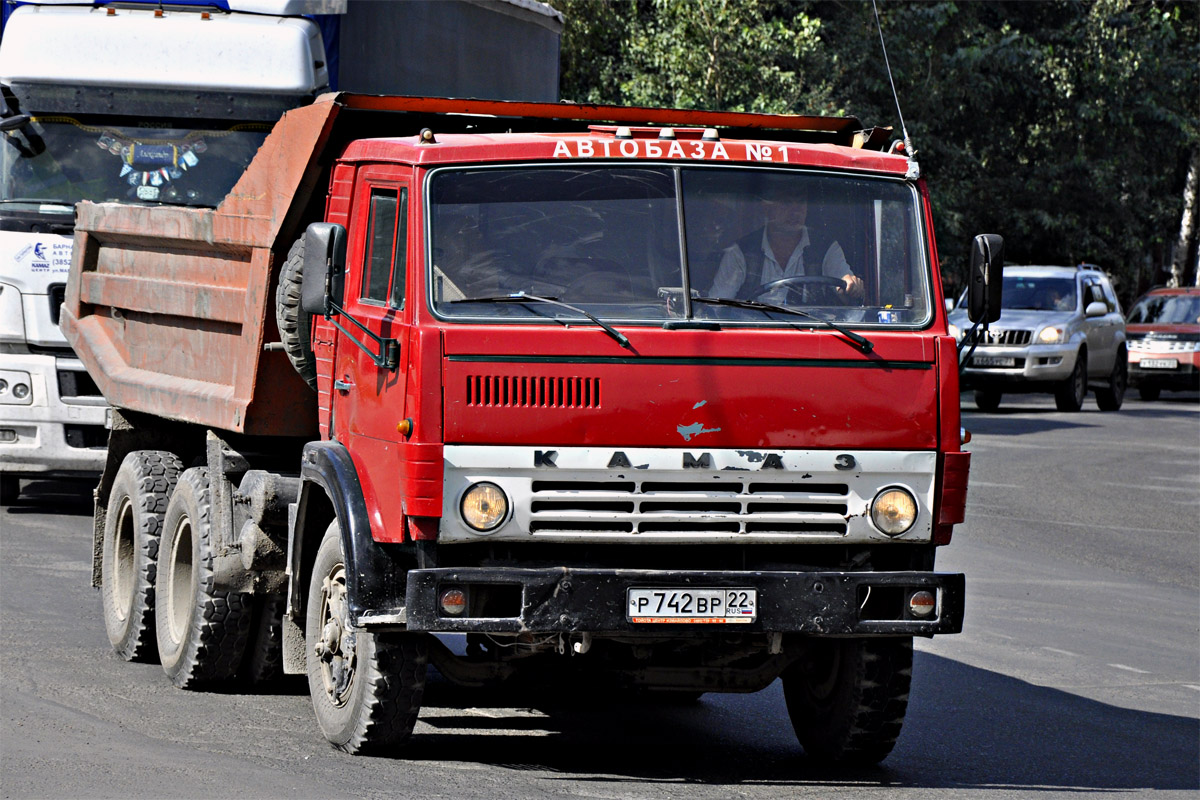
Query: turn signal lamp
921,604
453,602
484,507
894,511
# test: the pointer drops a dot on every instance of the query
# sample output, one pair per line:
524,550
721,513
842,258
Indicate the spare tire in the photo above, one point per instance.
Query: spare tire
295,327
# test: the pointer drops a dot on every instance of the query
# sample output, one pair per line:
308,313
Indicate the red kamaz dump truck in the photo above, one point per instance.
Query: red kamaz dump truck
633,397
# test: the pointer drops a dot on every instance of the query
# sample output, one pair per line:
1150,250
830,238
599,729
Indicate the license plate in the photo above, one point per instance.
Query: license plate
721,606
1159,363
993,361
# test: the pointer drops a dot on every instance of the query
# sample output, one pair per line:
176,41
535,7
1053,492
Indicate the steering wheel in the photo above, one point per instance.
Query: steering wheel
826,285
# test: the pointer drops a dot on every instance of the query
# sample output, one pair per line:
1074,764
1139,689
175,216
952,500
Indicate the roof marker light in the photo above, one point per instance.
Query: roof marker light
426,136
666,133
711,135
623,132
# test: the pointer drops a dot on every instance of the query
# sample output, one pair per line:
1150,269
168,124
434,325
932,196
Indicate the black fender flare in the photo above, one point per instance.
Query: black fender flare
375,573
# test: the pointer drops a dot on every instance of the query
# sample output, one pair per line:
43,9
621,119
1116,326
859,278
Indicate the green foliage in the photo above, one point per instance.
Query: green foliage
1064,125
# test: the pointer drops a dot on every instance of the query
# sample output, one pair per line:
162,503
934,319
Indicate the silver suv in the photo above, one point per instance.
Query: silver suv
1061,330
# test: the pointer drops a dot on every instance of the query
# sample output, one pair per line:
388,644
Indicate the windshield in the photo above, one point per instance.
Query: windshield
60,159
1038,294
608,239
1167,310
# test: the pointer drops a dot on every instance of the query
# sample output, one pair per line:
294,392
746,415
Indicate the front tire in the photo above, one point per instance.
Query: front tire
847,698
987,399
129,550
1069,395
1112,396
366,687
202,631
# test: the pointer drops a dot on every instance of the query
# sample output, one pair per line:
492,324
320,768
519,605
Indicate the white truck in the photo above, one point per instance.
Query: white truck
160,103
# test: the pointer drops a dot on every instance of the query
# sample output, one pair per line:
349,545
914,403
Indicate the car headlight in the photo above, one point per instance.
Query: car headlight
894,510
484,507
1050,335
955,332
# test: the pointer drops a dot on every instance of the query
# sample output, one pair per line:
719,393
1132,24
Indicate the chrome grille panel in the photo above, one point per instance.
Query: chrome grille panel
1011,338
661,495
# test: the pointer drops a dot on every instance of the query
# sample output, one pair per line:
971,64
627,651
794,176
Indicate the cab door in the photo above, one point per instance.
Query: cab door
369,397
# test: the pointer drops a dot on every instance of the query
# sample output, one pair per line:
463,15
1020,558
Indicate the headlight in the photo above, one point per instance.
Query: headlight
894,511
955,332
484,507
1050,336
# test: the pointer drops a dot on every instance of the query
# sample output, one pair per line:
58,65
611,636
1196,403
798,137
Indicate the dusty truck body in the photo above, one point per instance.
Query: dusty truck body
442,366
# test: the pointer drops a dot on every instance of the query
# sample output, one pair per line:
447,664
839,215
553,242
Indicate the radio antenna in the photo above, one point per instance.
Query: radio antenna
912,153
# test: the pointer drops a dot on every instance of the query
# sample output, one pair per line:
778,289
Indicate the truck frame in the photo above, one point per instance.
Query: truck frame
479,385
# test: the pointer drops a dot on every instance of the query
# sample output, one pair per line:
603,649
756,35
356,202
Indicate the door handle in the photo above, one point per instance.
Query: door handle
343,386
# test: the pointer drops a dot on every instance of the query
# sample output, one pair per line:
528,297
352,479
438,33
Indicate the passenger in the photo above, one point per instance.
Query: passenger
778,250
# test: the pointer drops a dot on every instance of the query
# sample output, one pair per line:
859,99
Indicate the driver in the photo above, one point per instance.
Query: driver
755,259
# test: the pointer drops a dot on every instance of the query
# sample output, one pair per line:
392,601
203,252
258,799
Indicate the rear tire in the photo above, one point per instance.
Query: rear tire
366,687
1149,392
1112,396
129,549
987,400
1071,392
847,698
295,326
202,631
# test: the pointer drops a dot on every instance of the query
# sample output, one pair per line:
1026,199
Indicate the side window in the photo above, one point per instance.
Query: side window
387,251
1110,297
381,238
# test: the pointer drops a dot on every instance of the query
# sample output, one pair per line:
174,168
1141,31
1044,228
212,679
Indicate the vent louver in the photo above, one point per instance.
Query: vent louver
531,391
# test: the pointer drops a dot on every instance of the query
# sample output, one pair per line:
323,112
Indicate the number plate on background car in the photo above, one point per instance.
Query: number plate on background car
993,361
1159,363
692,605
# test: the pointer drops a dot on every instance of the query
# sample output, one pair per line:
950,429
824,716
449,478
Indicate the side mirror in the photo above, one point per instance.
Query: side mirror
322,287
1095,309
986,282
15,122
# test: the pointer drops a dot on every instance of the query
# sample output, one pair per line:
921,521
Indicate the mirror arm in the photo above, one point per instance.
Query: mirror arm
388,356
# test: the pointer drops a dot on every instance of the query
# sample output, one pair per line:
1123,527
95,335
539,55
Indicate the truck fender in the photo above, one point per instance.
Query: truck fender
376,573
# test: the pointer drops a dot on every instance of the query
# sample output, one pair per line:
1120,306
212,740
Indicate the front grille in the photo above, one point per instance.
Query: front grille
72,383
56,293
1013,338
531,391
632,507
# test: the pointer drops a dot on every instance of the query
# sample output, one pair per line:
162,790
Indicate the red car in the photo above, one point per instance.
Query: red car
1163,331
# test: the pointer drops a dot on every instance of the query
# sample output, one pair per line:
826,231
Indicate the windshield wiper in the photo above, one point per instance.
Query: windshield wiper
521,297
864,344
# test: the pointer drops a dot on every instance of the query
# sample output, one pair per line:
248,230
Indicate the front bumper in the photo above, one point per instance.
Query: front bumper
1031,364
566,600
52,434
1185,375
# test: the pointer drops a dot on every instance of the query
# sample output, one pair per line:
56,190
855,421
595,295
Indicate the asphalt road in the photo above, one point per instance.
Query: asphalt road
1078,672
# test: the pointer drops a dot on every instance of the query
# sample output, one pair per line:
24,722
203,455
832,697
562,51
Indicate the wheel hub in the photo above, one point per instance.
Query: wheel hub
335,647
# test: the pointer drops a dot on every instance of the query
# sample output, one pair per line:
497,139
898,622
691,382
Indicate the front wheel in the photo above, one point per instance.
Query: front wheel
1069,395
1112,396
366,688
987,399
847,697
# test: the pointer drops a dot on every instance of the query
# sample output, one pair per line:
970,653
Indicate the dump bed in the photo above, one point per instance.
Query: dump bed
171,309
